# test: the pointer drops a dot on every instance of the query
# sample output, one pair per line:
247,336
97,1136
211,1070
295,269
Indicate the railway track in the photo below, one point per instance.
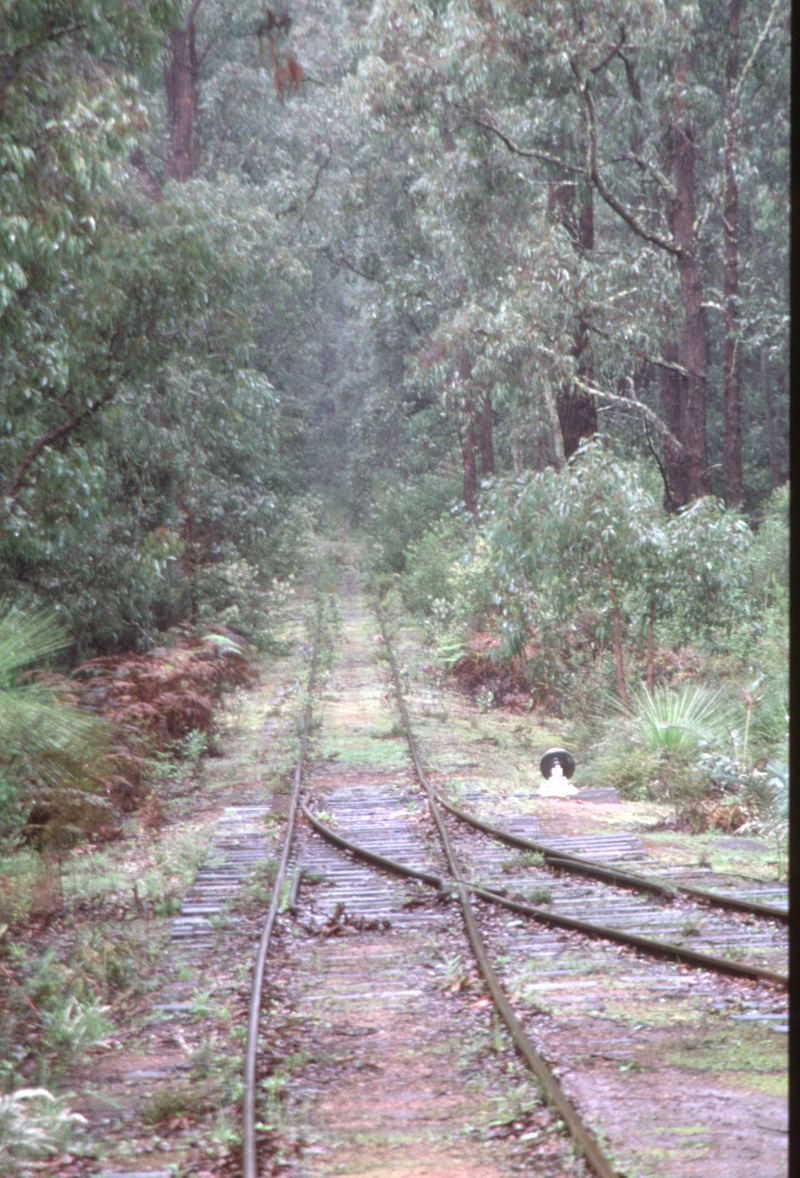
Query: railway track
375,944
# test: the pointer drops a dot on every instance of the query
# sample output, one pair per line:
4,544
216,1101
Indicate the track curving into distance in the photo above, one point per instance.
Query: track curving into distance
638,911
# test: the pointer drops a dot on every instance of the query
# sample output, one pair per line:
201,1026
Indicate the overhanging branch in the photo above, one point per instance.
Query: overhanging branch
613,202
525,152
630,403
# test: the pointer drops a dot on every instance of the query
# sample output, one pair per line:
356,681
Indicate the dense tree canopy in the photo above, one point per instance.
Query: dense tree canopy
249,254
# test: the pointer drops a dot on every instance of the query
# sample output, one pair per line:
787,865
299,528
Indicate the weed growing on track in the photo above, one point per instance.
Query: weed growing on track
174,1100
540,896
525,859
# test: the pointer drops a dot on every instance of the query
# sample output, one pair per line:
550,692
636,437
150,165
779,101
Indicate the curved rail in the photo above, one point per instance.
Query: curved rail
250,1160
582,1135
598,931
562,861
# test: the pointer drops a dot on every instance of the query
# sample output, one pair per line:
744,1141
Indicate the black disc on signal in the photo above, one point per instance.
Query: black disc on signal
557,757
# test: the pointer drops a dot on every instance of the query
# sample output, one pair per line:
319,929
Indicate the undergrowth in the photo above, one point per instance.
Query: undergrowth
160,700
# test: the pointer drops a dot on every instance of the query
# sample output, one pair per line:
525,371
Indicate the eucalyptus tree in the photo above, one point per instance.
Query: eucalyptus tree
68,104
586,557
127,315
612,118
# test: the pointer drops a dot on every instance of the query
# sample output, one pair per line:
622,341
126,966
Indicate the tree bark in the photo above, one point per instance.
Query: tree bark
731,362
180,84
467,434
676,482
468,463
486,438
577,411
147,181
692,433
766,393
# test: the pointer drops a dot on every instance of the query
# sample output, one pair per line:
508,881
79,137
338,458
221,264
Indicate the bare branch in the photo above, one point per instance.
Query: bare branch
527,153
630,218
773,12
315,185
297,203
634,88
54,35
646,166
55,435
192,13
612,53
658,362
341,260
629,403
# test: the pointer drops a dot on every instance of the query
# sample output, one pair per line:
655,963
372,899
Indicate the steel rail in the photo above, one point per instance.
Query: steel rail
584,1138
648,945
561,860
250,1159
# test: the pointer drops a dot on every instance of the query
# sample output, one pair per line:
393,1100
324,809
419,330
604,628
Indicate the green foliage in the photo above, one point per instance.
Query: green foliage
402,514
472,246
73,1027
51,754
695,748
659,749
34,1127
569,549
677,721
768,563
429,561
69,105
175,464
177,1100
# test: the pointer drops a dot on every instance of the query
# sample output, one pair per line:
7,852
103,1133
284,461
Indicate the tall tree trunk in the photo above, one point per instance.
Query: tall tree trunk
731,362
516,439
766,393
180,84
468,463
620,669
676,489
467,434
577,411
190,560
486,439
651,662
769,419
692,432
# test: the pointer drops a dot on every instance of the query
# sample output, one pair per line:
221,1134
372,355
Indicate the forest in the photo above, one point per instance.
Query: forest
499,289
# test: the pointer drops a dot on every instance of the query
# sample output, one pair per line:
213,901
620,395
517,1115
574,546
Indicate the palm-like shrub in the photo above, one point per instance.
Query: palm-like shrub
51,752
656,749
677,722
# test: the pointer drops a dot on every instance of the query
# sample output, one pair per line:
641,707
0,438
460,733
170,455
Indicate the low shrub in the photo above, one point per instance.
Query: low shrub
53,755
428,566
402,514
35,1127
160,700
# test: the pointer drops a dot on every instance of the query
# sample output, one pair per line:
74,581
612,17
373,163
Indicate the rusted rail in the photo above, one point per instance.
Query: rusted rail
583,1137
457,887
249,1155
560,860
648,945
